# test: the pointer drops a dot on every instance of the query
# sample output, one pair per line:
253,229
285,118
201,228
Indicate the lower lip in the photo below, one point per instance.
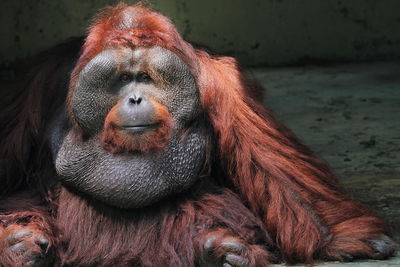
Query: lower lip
139,128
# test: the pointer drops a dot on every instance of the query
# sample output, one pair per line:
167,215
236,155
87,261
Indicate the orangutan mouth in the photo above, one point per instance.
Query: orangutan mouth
138,128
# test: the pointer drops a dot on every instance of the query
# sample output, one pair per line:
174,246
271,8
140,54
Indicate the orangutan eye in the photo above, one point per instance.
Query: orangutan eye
126,77
143,77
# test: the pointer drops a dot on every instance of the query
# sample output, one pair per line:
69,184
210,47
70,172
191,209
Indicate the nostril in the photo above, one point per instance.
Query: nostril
135,100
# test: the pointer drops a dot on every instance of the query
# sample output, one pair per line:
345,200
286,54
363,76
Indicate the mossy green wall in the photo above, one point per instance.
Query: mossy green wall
258,32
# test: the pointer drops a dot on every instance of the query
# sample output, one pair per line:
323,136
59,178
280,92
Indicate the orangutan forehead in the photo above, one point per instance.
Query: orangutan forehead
127,18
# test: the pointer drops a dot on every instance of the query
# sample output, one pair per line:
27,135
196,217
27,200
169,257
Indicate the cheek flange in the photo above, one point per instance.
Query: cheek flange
91,100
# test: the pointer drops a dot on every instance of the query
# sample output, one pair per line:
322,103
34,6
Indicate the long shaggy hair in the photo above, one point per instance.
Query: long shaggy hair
300,207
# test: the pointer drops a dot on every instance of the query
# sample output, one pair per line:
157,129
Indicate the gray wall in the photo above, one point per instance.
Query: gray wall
258,32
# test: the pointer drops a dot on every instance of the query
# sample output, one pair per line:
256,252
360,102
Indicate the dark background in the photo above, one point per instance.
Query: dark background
258,32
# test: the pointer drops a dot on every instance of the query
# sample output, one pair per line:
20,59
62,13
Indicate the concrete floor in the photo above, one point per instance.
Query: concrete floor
350,115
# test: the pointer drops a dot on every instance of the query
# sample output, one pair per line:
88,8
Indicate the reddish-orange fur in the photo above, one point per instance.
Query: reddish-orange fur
170,233
280,180
116,140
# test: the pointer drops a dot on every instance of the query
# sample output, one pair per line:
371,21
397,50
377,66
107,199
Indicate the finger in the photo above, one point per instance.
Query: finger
209,244
236,260
18,248
43,242
17,236
233,246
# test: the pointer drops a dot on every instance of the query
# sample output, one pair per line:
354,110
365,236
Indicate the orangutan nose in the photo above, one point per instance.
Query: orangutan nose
136,112
135,100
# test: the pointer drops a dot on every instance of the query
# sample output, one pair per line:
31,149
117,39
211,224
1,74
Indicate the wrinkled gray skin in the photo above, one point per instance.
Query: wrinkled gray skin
134,179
